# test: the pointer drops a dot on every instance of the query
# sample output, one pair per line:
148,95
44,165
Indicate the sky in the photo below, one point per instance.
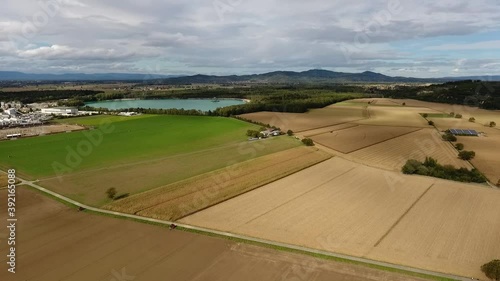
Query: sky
425,38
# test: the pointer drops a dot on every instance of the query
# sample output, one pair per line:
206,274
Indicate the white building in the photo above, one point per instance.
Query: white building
11,111
63,111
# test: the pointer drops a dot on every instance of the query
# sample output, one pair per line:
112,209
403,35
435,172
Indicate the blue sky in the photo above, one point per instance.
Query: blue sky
395,37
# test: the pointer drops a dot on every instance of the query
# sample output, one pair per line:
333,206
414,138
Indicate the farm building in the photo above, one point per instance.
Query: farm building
464,132
64,111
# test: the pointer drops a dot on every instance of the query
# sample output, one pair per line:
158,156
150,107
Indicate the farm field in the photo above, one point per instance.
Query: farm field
315,118
40,130
323,130
357,210
118,141
487,158
91,247
352,139
396,116
185,197
134,177
394,153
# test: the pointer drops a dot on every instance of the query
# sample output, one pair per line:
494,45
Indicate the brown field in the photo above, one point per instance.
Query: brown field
323,130
58,243
182,198
316,118
89,186
352,139
487,158
394,153
356,210
396,116
40,130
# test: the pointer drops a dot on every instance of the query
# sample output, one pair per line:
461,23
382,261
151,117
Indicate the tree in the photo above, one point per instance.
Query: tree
449,137
466,155
459,146
498,183
308,142
452,113
431,123
289,132
425,115
472,119
492,270
492,124
459,116
404,103
111,192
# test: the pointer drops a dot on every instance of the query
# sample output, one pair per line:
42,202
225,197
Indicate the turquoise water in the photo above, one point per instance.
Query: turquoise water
198,104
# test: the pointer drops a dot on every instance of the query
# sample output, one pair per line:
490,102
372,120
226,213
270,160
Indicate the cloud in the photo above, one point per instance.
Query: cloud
244,36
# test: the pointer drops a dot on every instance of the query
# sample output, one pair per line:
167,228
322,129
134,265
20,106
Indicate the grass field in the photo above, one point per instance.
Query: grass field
344,207
185,197
124,140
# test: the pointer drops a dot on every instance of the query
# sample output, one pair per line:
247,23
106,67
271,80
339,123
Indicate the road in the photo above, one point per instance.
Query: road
242,237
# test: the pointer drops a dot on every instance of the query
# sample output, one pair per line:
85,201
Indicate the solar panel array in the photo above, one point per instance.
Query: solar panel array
464,132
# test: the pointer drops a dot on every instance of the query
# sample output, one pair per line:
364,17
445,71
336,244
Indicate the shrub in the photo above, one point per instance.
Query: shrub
458,116
289,132
459,146
308,142
449,137
111,192
466,155
425,115
472,119
452,113
431,123
492,124
404,103
492,269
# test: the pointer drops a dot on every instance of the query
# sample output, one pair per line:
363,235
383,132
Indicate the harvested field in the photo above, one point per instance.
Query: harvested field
182,198
89,187
373,101
315,118
453,228
396,116
40,130
367,212
394,153
324,130
352,139
58,243
487,158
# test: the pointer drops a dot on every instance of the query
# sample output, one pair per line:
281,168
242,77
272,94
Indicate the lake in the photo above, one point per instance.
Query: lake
198,104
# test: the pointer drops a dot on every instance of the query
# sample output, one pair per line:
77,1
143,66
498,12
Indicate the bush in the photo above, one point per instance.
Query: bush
111,192
431,167
459,146
452,113
458,116
308,142
492,269
425,115
472,119
493,124
449,137
253,133
431,123
404,103
289,132
466,155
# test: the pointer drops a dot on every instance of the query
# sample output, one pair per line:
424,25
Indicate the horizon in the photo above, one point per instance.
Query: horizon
226,37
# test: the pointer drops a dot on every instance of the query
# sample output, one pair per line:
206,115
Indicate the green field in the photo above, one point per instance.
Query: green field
123,140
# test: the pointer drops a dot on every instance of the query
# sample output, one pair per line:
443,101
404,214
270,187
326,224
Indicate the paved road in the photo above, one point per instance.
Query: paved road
247,238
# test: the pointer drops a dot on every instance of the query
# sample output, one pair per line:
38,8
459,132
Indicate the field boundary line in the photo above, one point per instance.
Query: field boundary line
403,215
330,131
349,152
285,246
302,194
207,174
257,187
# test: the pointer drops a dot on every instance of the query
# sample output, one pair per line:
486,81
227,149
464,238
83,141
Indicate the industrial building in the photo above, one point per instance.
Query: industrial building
62,111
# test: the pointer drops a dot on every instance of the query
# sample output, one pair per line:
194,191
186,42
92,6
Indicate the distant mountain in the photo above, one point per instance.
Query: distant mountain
283,77
20,76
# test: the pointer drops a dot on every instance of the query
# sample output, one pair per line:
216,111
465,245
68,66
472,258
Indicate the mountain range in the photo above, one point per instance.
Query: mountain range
285,77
